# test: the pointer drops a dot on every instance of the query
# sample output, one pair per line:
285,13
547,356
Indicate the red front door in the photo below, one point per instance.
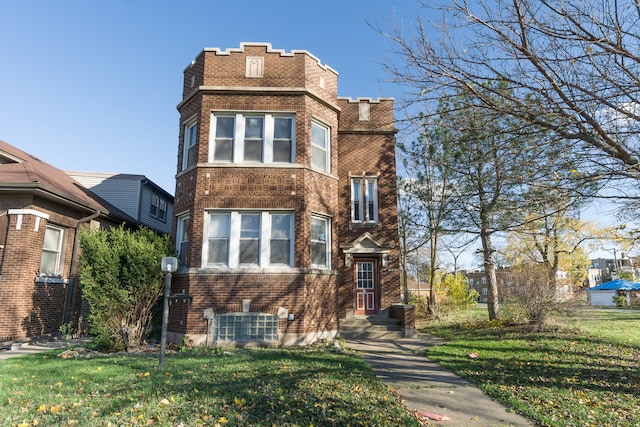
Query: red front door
365,286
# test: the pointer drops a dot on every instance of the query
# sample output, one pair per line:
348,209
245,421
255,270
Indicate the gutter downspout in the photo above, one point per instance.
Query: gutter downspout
74,265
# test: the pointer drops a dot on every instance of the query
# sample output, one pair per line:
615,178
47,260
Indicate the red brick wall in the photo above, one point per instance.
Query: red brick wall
368,148
295,83
311,298
34,308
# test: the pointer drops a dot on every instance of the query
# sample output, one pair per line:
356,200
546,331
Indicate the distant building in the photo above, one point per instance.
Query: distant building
604,270
478,282
504,277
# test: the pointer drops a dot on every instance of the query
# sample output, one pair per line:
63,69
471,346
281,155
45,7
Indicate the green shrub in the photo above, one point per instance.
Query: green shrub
420,303
620,300
121,281
459,296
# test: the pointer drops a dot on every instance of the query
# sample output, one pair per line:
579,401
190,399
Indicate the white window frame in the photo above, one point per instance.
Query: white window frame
234,233
238,140
182,237
364,199
57,251
327,241
190,142
318,150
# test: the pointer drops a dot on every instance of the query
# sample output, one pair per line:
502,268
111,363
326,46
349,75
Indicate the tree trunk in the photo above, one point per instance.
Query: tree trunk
432,274
493,301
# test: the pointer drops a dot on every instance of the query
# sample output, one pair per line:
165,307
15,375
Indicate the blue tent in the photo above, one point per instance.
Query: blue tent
602,295
617,285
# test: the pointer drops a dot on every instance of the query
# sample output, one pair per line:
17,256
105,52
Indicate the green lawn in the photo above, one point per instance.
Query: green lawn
262,387
583,371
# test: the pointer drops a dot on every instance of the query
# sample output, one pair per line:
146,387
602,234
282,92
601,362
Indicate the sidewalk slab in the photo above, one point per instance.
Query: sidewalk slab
26,348
427,387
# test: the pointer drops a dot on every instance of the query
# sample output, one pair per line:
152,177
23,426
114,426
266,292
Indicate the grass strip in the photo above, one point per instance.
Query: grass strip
311,386
582,371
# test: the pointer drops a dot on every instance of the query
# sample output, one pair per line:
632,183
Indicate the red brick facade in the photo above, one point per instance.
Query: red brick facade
310,302
36,306
35,196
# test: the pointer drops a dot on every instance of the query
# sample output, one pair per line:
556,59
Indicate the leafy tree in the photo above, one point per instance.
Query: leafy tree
458,293
122,281
500,167
556,240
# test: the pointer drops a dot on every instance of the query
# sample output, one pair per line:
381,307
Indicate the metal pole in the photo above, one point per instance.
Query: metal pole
165,317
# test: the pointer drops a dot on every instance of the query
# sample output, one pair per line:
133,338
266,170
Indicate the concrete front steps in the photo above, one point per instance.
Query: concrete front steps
371,328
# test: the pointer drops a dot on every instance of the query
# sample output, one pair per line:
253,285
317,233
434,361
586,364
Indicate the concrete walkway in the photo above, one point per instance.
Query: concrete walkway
23,349
427,387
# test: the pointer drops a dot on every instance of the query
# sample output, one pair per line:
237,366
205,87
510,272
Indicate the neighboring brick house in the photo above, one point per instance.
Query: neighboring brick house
41,211
286,217
136,195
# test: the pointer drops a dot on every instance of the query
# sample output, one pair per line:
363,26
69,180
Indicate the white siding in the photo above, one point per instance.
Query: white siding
145,208
604,298
129,193
121,190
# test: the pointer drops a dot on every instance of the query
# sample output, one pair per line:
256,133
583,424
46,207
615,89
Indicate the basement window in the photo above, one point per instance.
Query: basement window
245,327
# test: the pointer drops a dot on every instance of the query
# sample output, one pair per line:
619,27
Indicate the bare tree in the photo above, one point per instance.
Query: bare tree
413,234
533,291
572,68
429,166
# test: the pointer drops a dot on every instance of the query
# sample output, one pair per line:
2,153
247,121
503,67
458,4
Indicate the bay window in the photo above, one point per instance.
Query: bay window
252,138
248,239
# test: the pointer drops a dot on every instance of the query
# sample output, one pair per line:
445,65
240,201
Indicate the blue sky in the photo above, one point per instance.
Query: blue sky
93,85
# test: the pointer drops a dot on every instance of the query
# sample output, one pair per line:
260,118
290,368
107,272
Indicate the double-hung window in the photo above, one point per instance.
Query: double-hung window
249,250
218,236
158,209
320,147
280,246
320,242
364,199
283,139
50,264
240,239
190,150
252,138
182,238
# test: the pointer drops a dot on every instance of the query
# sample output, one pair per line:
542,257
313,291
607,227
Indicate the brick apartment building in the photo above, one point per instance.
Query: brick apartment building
285,204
